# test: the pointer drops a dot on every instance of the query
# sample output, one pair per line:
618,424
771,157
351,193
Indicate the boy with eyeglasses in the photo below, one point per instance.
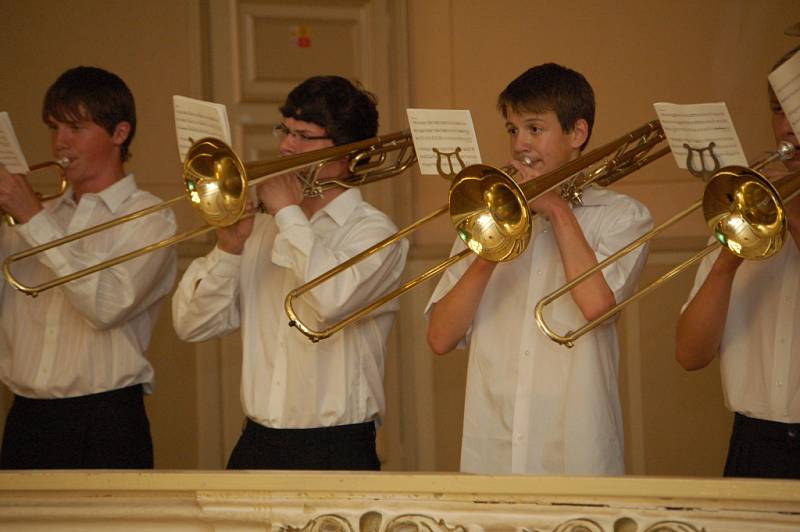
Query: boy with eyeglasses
308,405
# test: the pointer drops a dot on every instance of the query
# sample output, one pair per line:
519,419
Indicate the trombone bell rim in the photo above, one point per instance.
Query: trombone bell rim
745,213
490,213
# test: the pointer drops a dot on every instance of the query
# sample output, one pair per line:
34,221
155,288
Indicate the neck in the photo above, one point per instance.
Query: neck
97,184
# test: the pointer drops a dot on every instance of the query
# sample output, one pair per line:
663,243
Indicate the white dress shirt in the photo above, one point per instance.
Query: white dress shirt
89,335
534,406
760,348
288,381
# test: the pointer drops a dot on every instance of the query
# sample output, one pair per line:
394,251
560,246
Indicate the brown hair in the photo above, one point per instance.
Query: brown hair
90,92
551,87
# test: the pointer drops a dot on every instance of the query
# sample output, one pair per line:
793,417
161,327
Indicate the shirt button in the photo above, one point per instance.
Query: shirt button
527,352
779,383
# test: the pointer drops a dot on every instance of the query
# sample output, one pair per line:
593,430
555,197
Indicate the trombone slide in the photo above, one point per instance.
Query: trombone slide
490,212
742,208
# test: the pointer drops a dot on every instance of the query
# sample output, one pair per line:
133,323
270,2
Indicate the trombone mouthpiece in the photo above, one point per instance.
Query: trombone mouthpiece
63,162
785,150
524,159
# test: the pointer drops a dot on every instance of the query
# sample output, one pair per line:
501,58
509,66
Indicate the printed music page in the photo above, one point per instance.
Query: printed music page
195,119
698,125
448,131
785,81
10,152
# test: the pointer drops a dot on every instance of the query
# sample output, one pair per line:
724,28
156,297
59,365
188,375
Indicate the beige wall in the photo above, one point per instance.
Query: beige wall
460,54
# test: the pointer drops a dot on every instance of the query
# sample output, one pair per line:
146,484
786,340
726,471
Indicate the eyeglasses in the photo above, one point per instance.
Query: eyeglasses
281,131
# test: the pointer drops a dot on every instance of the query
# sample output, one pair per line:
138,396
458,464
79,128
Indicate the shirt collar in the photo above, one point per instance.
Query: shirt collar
343,205
112,196
594,196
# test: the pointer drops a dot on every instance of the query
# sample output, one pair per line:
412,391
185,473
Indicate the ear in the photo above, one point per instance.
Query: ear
121,132
580,132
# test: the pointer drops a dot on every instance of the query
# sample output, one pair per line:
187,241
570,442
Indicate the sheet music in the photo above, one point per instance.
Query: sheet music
10,152
785,81
195,119
698,125
445,130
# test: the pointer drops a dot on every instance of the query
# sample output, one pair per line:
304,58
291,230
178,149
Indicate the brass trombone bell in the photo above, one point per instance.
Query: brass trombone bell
741,207
60,164
216,182
745,213
489,212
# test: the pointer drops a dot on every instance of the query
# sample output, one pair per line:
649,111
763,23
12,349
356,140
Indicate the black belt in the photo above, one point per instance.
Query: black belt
764,428
128,393
318,434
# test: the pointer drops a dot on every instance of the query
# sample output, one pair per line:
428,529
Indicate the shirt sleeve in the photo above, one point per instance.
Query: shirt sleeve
206,302
446,283
112,295
702,272
308,254
625,221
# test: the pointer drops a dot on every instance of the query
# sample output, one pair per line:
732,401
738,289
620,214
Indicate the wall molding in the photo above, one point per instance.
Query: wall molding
382,502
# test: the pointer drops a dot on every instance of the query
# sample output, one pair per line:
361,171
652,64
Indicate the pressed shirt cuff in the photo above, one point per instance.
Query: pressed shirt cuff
289,216
40,229
224,264
290,221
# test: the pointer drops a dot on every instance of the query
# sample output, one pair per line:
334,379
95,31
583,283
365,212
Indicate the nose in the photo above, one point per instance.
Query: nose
60,138
288,145
520,143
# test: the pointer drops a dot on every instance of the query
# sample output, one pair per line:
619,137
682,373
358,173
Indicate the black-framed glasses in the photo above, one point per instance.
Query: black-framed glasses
282,131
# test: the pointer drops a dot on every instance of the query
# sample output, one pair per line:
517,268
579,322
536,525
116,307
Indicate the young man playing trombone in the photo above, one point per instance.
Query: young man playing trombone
745,312
74,355
533,406
308,405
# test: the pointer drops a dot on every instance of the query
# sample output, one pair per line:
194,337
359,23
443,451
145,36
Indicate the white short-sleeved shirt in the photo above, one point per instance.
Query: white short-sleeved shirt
760,348
534,406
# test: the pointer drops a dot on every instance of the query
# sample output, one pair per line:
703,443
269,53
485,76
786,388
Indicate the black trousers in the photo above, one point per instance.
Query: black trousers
108,430
763,449
343,447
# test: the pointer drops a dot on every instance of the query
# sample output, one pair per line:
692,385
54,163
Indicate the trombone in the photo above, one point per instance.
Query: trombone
216,183
60,164
741,207
490,212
